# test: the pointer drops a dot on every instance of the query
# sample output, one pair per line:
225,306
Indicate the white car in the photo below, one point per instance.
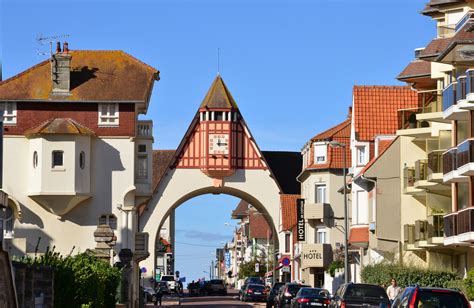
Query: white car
171,281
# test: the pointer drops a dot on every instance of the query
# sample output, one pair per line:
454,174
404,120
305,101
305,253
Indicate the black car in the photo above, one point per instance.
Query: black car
360,295
286,294
254,293
273,292
311,297
216,286
414,297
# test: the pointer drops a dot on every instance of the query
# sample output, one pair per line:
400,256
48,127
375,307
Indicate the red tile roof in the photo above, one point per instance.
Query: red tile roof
288,210
218,96
340,133
241,210
465,35
415,69
434,48
258,226
358,235
96,75
161,160
376,109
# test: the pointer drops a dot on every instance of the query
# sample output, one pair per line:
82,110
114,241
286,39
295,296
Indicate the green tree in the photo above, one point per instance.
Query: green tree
247,269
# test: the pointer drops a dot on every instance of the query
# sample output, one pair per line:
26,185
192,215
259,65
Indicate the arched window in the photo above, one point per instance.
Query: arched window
82,160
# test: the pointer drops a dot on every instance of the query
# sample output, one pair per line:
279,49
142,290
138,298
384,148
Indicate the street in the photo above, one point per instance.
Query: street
229,301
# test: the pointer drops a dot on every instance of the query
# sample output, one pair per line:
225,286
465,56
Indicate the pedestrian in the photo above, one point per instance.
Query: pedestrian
393,290
159,295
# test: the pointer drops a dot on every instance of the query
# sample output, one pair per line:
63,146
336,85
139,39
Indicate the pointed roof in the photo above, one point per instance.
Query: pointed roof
59,126
218,96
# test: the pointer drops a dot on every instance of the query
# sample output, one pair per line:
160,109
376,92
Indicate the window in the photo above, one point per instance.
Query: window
57,159
108,114
320,193
7,218
8,110
142,148
361,208
320,153
321,235
142,167
360,152
218,116
35,159
82,160
110,220
287,242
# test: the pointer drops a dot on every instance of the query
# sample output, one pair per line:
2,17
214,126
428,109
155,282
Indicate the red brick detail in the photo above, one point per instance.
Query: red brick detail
32,114
258,226
376,109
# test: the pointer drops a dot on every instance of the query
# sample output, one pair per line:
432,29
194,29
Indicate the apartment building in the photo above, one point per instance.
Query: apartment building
321,179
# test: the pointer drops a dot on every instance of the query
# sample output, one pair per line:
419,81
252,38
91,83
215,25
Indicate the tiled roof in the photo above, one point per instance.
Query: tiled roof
433,7
465,35
241,210
359,235
96,75
161,160
376,109
416,68
340,133
259,228
218,96
434,48
285,166
288,210
59,126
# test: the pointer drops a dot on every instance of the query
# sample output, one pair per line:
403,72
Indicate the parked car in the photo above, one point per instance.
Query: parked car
310,297
216,286
272,293
286,294
203,288
149,295
254,280
254,293
360,295
171,281
414,297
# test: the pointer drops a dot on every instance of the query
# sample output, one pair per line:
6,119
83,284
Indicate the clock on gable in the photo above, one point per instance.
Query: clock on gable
219,144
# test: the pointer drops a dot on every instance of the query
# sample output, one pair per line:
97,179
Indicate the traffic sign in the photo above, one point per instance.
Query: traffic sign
285,261
285,269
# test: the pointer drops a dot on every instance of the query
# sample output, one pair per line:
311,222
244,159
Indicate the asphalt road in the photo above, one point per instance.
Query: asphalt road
228,301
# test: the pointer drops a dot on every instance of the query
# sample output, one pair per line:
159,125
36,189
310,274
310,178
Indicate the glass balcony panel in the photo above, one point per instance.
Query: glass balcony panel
465,152
409,176
461,88
465,221
435,225
470,81
449,96
435,162
450,225
421,170
449,160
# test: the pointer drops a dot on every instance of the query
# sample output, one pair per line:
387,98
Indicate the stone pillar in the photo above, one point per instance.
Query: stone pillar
126,256
105,238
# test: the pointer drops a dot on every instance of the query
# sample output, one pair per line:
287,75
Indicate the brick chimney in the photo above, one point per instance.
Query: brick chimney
61,70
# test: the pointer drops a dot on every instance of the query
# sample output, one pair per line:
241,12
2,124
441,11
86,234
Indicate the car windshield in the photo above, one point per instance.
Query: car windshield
366,291
167,278
277,286
256,287
294,288
255,280
313,292
216,281
434,298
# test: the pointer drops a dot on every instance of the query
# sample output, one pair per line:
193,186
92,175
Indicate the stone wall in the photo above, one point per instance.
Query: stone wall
34,285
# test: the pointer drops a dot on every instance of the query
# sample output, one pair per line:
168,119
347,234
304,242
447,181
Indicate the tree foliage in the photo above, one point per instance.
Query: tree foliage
247,269
80,280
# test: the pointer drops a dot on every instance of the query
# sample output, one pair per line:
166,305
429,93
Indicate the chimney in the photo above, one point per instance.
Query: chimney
349,114
61,70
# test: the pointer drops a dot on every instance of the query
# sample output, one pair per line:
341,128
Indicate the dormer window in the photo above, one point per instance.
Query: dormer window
108,115
361,155
8,110
320,153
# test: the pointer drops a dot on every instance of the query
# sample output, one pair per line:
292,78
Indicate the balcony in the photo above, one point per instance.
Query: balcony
315,255
316,210
145,129
465,225
435,166
454,96
465,158
410,126
450,229
409,182
436,229
450,170
424,233
141,246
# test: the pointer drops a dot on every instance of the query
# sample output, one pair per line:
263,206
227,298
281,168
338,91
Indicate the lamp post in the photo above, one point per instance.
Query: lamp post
335,144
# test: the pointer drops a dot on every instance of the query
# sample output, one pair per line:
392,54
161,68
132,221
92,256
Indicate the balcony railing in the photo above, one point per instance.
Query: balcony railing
145,128
450,225
463,21
408,177
465,153
465,221
449,160
421,170
409,233
461,89
449,96
435,162
407,118
435,225
470,81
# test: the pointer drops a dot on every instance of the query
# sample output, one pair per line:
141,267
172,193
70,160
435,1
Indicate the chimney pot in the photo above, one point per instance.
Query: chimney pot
65,47
58,47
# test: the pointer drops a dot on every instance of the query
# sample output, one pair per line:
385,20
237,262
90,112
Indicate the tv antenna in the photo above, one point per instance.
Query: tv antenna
43,40
218,61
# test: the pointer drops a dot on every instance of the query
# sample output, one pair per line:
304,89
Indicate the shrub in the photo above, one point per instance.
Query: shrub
469,284
333,266
406,275
81,280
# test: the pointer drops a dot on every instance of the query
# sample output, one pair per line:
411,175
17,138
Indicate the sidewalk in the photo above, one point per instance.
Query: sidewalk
168,301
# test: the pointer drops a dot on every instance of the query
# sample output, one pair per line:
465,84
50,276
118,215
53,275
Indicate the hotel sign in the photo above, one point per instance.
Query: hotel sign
300,220
315,255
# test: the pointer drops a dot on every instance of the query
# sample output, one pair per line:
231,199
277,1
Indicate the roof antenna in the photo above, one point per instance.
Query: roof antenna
218,61
42,40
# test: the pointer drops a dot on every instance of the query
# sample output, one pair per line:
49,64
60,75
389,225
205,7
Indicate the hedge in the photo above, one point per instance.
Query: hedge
406,275
81,280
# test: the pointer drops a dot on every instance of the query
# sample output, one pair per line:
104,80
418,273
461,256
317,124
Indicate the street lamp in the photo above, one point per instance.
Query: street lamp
335,144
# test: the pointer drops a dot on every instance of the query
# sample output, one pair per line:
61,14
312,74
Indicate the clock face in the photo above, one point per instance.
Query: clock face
219,144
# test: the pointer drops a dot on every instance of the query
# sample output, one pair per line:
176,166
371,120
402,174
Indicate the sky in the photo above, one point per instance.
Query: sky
289,64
